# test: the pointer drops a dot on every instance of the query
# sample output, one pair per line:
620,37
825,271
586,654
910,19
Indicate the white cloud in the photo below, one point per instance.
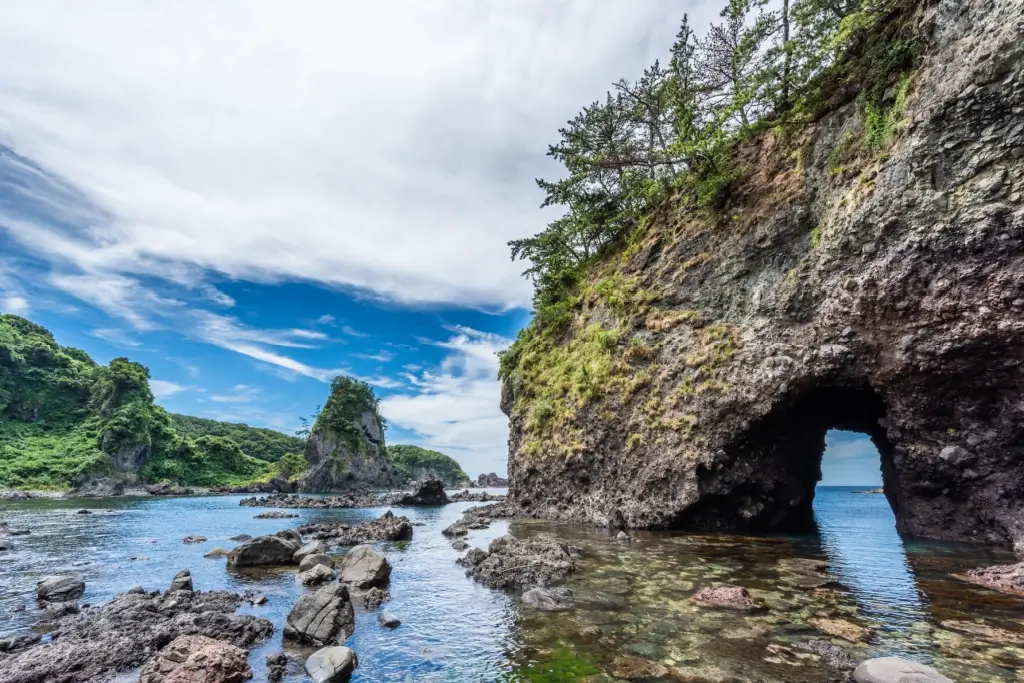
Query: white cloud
163,389
326,319
243,394
454,408
389,147
115,337
381,356
216,296
17,305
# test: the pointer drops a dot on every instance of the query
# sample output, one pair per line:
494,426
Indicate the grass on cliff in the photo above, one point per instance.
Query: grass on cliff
208,461
40,457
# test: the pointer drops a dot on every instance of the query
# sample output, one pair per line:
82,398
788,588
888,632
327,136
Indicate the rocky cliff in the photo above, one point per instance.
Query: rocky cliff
346,447
880,291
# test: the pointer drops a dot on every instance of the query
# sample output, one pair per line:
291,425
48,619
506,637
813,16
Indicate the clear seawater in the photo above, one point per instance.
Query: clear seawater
637,595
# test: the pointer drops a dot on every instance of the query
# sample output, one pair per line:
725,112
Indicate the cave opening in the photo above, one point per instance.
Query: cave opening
767,478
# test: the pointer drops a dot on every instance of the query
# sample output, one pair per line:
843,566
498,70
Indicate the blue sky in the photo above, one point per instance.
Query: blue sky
850,460
250,197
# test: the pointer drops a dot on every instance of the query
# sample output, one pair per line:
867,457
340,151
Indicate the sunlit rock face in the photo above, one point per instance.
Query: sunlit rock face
346,447
880,292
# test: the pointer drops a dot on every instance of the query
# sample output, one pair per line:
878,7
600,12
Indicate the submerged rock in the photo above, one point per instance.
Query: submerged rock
124,633
1006,578
364,567
322,618
387,527
263,550
194,539
841,628
896,670
521,564
548,599
216,552
331,665
276,514
730,597
277,666
831,655
59,589
355,499
197,659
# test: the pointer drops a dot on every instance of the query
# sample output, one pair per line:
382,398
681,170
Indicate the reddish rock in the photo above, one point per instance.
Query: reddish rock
197,659
731,597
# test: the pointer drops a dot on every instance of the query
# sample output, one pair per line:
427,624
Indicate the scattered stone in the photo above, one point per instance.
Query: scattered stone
123,634
468,497
277,666
375,597
387,527
197,659
331,665
315,575
460,546
263,550
57,610
356,499
833,656
258,599
194,539
730,597
521,564
388,620
548,599
216,552
364,567
275,514
896,670
841,628
15,643
240,537
429,491
310,561
1007,578
167,490
84,512
990,633
182,581
455,530
622,537
632,668
322,618
59,589
311,548
471,559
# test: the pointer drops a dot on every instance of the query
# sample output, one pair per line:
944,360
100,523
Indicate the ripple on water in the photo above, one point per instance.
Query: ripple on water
634,614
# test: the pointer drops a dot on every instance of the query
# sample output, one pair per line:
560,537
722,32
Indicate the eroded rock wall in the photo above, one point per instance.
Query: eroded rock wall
339,461
881,291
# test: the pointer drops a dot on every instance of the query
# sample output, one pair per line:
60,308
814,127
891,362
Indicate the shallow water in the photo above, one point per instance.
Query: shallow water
637,595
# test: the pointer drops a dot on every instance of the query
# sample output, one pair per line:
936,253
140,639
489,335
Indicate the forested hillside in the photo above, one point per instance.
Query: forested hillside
415,463
63,416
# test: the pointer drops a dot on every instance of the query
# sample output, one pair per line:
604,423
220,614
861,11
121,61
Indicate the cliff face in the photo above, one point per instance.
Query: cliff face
880,292
346,447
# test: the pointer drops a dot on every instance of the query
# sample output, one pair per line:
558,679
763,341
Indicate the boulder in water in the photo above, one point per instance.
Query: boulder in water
896,670
277,666
216,552
194,539
182,581
364,567
375,597
322,618
315,575
263,550
429,491
310,561
59,589
331,665
521,564
388,620
291,535
387,527
197,659
311,548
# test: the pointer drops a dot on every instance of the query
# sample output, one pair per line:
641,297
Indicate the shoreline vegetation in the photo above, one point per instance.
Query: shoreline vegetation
70,427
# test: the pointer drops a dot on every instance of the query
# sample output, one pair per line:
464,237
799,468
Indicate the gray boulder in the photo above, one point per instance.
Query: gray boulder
331,665
263,550
896,670
310,561
388,620
311,548
182,581
59,589
322,618
216,552
548,599
364,567
315,575
291,535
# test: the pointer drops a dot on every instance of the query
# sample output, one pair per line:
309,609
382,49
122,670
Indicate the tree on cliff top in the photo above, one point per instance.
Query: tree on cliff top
343,414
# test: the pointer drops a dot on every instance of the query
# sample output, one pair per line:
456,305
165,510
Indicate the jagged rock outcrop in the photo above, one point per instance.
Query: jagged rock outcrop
387,527
845,288
346,448
490,481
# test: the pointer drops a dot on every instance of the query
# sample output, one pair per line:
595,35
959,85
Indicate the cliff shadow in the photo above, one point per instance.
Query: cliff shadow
767,479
